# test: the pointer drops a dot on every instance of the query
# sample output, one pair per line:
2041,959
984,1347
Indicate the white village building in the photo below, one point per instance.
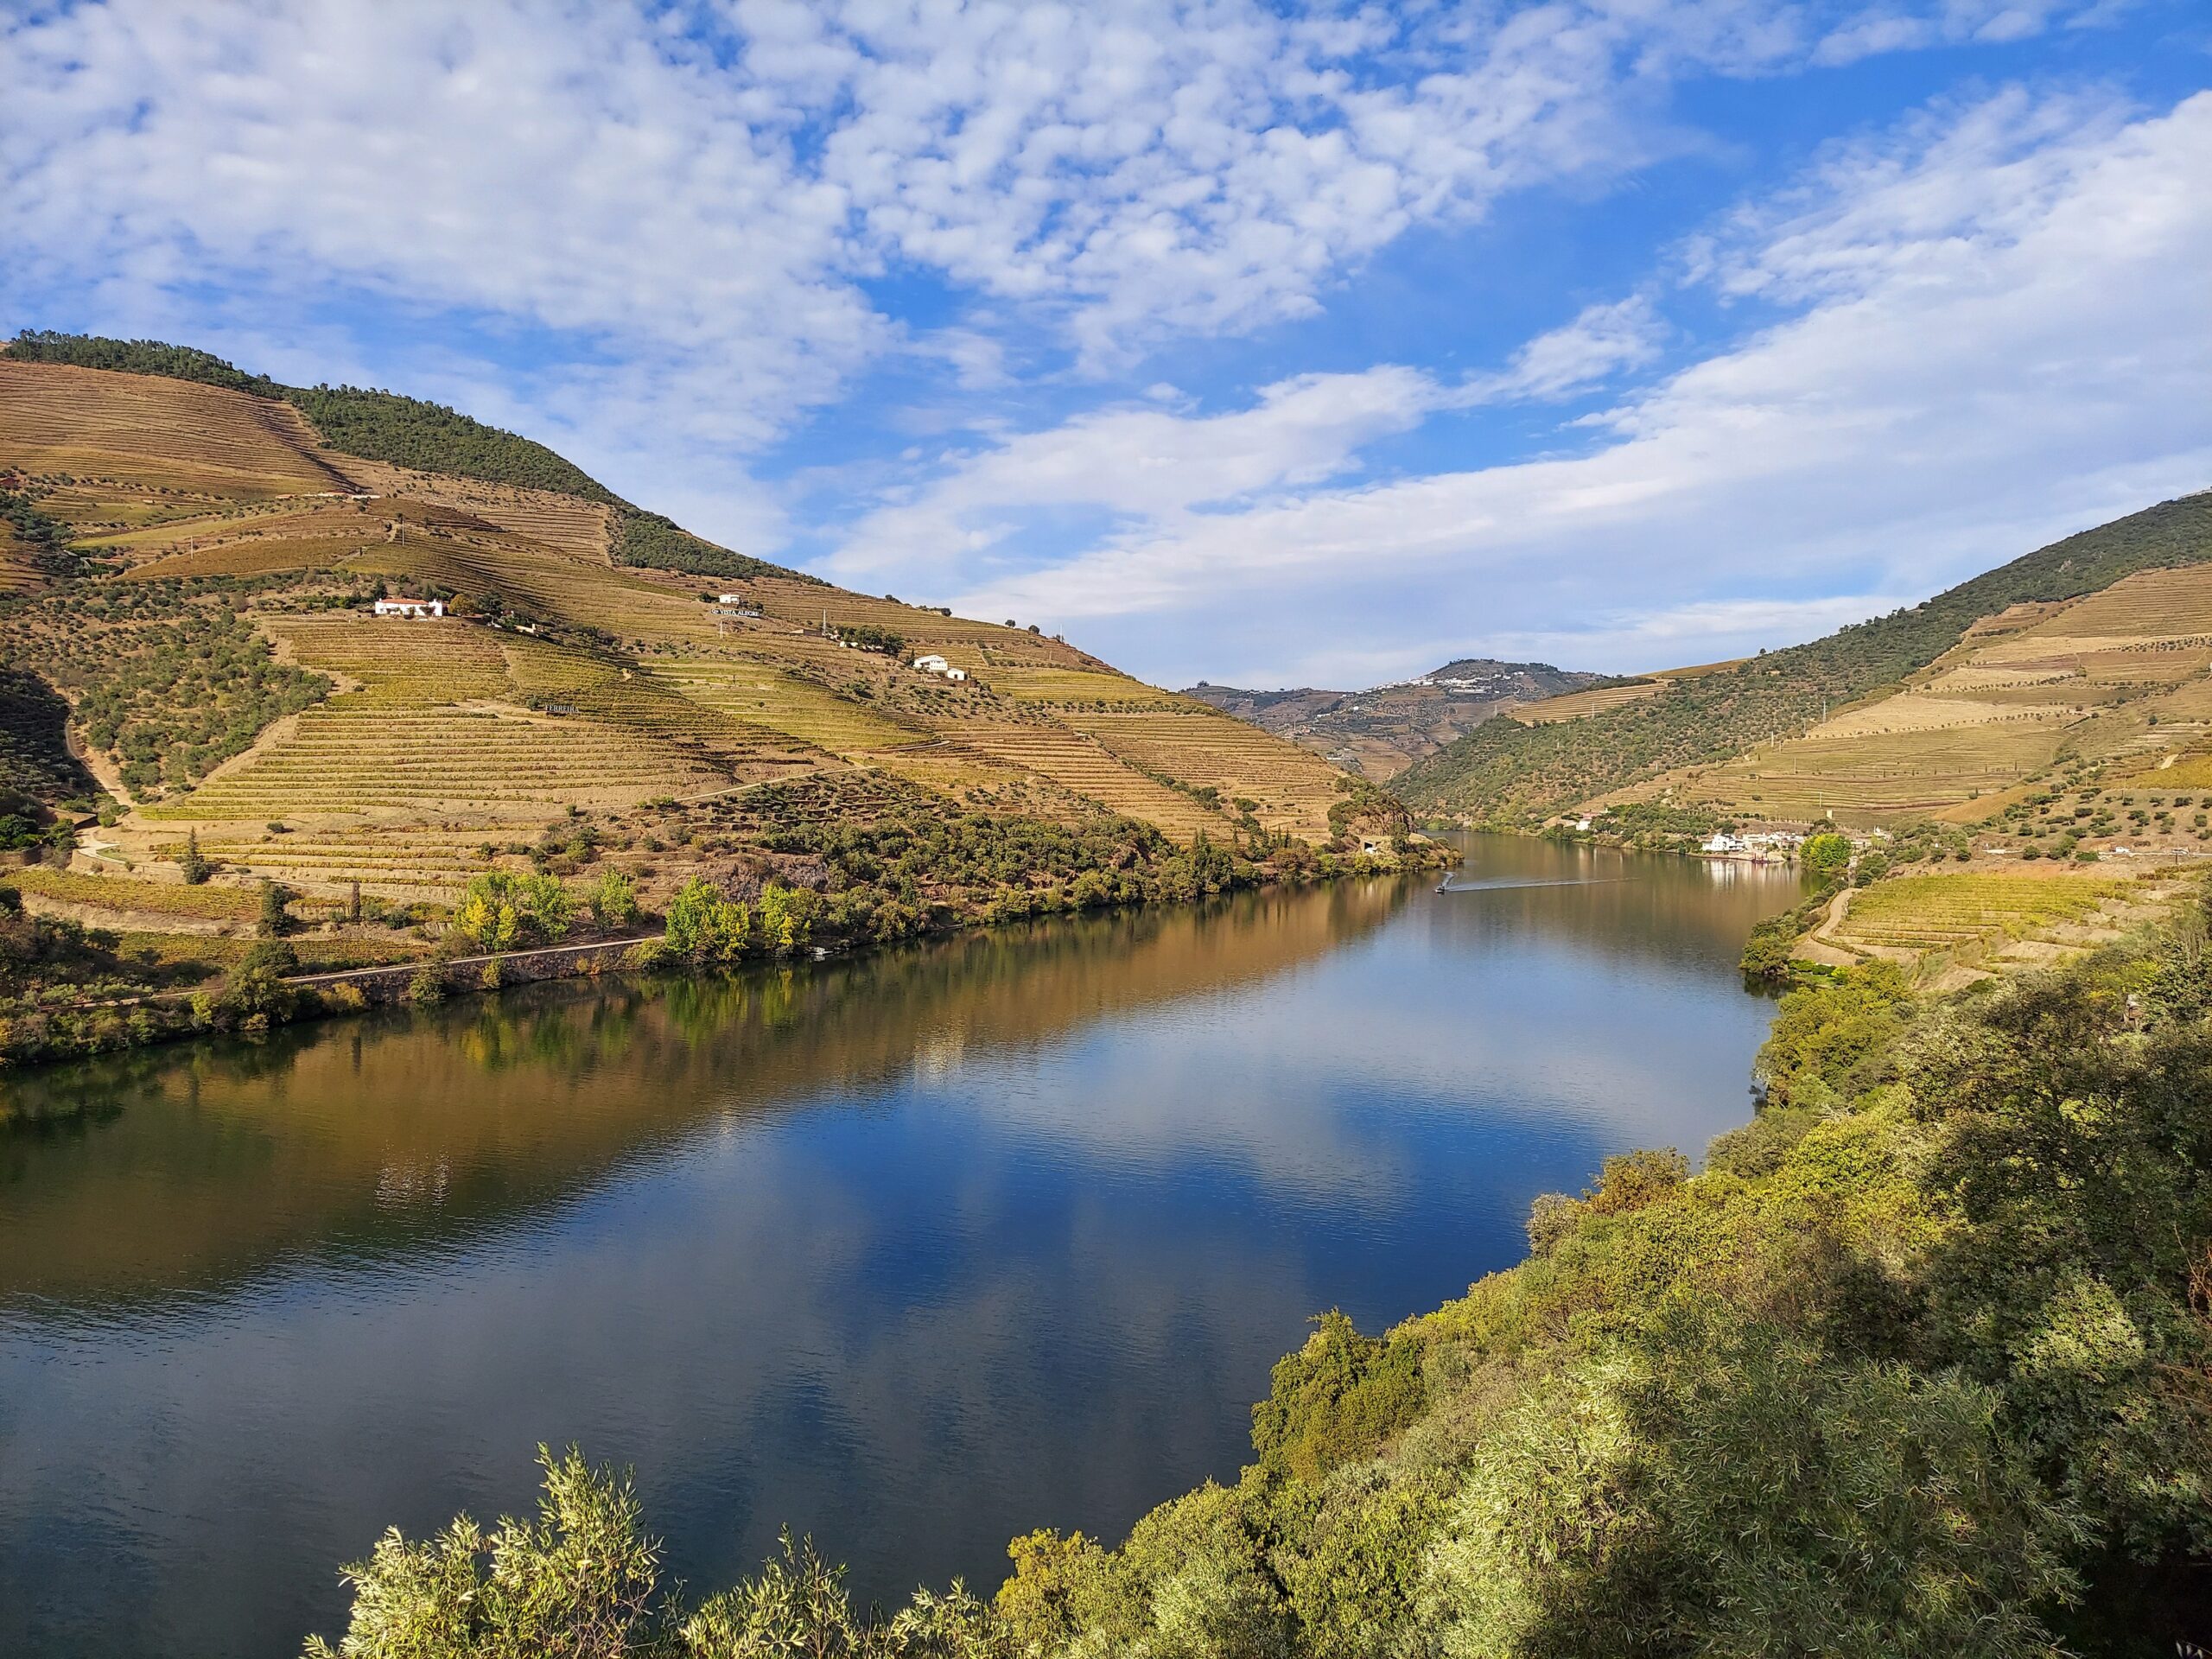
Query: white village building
404,607
931,663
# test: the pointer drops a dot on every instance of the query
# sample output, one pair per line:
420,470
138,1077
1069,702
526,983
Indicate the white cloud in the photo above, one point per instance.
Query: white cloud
663,236
1906,28
1135,462
1597,345
679,208
2001,332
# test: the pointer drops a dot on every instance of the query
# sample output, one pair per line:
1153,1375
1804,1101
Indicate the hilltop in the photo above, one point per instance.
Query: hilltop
2087,663
190,557
1383,730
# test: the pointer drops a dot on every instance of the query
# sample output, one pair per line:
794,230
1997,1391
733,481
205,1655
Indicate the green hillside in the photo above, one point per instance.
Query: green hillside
1508,773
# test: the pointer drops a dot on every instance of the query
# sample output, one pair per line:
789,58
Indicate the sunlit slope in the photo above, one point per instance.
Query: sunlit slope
2095,647
157,444
568,677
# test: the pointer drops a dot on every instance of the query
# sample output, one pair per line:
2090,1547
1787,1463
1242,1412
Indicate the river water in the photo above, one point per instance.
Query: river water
913,1253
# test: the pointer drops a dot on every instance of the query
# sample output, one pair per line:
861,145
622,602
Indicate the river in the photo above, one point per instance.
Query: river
911,1252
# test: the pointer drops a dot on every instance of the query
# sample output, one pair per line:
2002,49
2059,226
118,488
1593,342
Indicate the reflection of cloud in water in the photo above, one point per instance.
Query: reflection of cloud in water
1548,1032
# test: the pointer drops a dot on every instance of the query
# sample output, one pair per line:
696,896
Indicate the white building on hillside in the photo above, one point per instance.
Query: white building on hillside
399,606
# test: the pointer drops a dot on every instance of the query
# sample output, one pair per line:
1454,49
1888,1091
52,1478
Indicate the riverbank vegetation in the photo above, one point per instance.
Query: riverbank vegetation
1920,1362
765,879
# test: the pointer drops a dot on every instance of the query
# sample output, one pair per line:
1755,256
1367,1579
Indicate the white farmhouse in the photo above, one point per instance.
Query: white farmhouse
401,605
1722,842
931,663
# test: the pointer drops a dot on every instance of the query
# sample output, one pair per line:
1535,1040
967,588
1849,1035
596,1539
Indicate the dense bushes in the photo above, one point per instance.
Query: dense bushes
647,538
583,1580
431,438
1920,1363
910,871
45,540
708,925
169,676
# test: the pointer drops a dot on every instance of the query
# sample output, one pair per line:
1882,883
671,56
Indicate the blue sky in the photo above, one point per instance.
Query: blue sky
1266,344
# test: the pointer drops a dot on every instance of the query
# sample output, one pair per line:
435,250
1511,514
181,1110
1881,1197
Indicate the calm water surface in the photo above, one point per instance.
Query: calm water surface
913,1253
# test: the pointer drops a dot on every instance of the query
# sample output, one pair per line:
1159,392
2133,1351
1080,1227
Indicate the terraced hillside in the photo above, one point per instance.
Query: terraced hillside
221,674
2092,652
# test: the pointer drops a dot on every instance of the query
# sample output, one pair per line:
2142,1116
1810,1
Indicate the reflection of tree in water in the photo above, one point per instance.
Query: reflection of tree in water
226,1157
38,1102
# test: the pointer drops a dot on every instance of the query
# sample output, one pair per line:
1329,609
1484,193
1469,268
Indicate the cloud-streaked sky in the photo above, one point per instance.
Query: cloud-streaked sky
1263,343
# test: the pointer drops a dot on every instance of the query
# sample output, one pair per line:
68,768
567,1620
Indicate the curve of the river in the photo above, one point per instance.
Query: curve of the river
913,1252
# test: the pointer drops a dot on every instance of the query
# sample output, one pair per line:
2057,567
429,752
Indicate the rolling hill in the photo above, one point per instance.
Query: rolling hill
1381,731
190,560
2087,662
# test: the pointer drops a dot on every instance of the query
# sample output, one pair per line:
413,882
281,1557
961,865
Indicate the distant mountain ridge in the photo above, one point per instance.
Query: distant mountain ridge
1384,729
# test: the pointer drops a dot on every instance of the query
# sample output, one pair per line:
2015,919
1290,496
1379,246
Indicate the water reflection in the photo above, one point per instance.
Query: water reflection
913,1252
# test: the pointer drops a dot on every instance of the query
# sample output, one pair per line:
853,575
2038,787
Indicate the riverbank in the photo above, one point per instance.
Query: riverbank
1918,1362
256,990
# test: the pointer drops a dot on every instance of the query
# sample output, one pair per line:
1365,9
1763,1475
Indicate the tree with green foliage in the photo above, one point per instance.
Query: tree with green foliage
1336,1400
194,864
500,910
578,1580
708,925
1825,856
614,899
275,918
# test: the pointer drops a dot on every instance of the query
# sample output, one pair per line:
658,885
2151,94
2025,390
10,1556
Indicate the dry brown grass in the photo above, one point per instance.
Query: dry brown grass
54,418
1575,704
578,528
1080,764
17,573
1293,788
2149,604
